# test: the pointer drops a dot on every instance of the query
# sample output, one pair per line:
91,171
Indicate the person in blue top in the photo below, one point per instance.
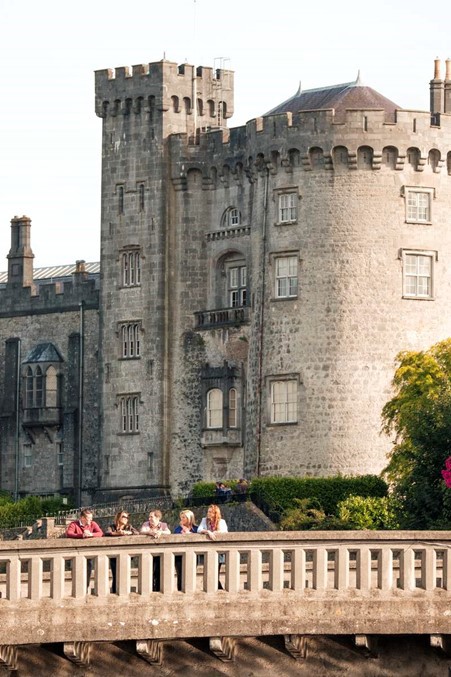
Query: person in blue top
186,526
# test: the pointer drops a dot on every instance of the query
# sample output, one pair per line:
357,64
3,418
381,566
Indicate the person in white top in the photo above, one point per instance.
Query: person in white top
211,525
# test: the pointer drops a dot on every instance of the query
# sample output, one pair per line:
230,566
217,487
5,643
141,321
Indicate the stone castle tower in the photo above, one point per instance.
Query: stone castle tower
257,283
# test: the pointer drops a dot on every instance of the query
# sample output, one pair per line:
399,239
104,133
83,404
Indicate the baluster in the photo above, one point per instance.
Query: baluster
57,577
123,574
320,569
210,571
102,584
189,569
407,573
233,571
276,572
385,563
79,576
35,578
447,569
363,564
429,565
167,567
255,578
341,576
13,579
298,569
144,573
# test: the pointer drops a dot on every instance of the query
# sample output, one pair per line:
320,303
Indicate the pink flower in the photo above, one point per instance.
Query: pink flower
446,474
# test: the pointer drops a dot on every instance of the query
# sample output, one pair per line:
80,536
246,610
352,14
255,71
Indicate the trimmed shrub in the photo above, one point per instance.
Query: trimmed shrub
276,494
306,514
370,512
27,510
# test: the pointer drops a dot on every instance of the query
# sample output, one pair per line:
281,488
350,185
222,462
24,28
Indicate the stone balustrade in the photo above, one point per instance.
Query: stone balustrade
290,583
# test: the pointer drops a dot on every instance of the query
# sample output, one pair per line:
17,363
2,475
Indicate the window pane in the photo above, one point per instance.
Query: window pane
214,408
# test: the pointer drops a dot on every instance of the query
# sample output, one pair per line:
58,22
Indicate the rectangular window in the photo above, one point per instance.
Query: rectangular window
286,277
59,454
287,207
130,340
237,283
284,401
129,413
418,274
27,456
418,206
131,268
120,200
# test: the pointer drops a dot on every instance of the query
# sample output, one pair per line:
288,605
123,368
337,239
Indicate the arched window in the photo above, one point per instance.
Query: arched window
231,218
340,157
214,408
131,268
175,104
51,387
233,411
413,157
434,159
316,158
129,413
389,157
365,157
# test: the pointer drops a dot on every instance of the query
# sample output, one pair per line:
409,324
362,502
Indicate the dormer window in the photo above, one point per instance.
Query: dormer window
42,374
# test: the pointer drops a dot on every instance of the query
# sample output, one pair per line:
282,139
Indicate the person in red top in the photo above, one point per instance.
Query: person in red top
85,527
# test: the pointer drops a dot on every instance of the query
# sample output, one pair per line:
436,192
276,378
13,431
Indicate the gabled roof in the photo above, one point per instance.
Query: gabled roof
44,352
339,97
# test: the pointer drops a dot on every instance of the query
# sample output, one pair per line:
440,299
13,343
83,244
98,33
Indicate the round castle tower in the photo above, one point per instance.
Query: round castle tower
298,255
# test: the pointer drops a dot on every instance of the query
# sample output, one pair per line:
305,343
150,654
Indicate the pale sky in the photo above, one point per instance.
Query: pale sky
50,137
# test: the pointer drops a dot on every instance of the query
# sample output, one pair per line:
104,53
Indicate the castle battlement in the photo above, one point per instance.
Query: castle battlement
131,87
53,297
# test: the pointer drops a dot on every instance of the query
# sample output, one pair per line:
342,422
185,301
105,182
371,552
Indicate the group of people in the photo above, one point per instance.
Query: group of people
86,527
224,493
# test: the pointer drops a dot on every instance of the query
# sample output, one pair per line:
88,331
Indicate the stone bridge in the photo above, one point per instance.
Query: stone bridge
293,584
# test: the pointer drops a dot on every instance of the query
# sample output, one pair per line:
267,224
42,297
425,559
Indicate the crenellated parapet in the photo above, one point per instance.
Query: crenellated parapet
313,141
49,298
164,86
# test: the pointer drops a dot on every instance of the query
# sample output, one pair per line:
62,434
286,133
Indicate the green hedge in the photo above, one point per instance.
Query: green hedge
27,510
207,489
277,493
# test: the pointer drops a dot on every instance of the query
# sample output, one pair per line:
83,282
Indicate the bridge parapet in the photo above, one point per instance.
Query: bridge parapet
296,583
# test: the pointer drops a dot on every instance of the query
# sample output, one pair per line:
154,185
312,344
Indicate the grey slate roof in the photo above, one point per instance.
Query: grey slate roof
338,97
44,352
57,273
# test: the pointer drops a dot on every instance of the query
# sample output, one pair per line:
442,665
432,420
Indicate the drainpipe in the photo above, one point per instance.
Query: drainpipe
80,403
17,431
261,323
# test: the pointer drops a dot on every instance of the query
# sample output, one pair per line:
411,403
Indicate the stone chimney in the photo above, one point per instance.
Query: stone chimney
20,257
447,92
436,92
80,273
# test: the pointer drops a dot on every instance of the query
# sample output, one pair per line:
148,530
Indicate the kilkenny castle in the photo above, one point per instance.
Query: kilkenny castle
257,282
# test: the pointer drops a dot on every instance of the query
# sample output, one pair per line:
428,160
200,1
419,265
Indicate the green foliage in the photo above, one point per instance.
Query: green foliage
307,514
419,418
207,489
277,494
370,512
27,510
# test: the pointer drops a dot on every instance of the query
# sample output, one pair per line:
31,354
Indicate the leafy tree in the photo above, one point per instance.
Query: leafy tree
368,512
419,416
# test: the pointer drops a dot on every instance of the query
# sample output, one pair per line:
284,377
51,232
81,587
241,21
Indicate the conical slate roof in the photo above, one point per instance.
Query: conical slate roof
339,97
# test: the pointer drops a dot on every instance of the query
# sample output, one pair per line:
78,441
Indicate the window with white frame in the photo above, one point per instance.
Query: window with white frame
129,413
233,410
287,207
284,395
418,205
214,408
237,284
286,277
231,218
130,340
27,456
418,274
131,268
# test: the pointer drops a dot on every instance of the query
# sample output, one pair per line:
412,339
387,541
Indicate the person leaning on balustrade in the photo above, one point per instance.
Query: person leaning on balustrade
154,528
186,526
211,525
85,527
120,527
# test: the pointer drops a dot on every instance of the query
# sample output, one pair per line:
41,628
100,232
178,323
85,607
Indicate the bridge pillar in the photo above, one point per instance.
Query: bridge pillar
151,650
223,648
8,656
78,652
442,642
296,645
367,644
